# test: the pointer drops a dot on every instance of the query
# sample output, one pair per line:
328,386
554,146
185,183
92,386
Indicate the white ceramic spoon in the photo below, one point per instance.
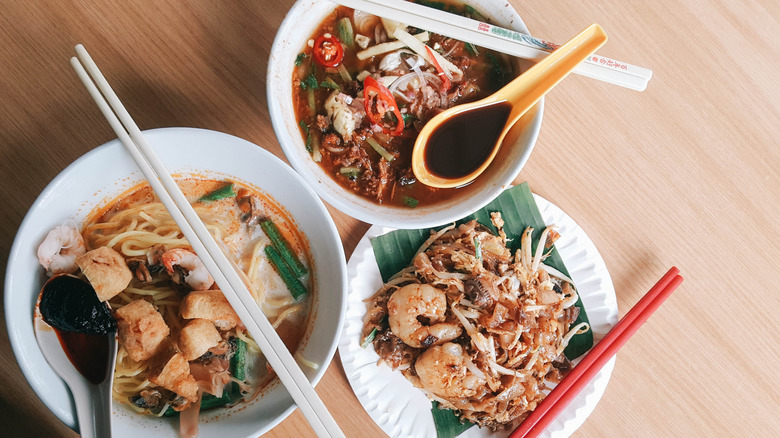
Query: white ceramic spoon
93,401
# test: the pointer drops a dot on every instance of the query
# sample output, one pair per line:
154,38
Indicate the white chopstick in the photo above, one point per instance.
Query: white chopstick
497,38
218,265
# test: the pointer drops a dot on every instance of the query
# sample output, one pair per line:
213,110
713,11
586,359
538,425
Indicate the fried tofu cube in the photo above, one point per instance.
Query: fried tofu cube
142,329
197,337
174,375
211,305
106,271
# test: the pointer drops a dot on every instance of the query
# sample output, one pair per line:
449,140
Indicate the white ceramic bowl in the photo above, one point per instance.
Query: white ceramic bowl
107,171
299,24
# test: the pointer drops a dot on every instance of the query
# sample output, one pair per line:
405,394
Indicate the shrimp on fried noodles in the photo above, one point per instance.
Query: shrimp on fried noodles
476,328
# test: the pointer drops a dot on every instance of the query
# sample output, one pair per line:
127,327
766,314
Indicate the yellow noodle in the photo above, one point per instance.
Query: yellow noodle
285,314
133,230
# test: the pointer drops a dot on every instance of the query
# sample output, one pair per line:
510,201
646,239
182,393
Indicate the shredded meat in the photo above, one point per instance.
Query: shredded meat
323,122
331,141
393,351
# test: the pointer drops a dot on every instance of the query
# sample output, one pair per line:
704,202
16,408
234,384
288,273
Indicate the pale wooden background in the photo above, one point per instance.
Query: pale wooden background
685,173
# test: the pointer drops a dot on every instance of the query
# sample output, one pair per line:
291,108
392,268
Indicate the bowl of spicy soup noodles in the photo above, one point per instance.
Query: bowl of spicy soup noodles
107,173
344,168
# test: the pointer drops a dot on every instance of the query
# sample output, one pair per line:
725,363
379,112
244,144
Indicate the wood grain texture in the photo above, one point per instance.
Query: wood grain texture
685,173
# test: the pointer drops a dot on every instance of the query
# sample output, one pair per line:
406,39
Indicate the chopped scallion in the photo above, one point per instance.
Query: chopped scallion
477,249
380,149
369,338
300,58
330,83
238,360
410,202
310,82
344,73
314,143
297,290
474,13
351,172
225,191
280,243
306,132
312,102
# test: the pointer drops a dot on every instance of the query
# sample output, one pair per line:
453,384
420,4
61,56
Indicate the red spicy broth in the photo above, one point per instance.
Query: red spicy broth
360,145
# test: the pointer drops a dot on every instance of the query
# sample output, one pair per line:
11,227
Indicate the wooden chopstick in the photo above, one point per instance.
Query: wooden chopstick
218,265
580,375
499,39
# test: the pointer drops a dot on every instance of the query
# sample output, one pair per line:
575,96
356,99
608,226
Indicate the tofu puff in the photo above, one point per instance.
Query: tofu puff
180,340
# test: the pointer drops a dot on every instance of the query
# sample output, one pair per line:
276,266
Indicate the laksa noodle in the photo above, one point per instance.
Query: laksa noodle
182,348
364,87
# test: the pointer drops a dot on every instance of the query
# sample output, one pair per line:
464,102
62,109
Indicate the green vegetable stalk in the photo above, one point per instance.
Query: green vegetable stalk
225,191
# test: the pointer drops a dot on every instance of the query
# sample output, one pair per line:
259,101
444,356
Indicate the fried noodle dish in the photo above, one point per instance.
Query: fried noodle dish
475,328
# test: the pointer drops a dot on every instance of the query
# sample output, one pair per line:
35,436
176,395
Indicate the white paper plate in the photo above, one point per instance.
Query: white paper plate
404,411
107,171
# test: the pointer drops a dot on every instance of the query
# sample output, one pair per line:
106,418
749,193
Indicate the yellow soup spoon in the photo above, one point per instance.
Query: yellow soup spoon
458,144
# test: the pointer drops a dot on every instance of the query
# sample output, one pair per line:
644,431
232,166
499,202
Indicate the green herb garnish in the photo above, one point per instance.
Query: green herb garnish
329,83
310,82
369,338
297,290
350,172
225,191
280,243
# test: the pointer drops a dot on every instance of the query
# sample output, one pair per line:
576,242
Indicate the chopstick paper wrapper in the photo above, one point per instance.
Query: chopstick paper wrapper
217,264
500,39
580,375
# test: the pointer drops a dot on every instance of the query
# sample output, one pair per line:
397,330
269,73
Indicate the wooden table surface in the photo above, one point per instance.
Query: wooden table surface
685,173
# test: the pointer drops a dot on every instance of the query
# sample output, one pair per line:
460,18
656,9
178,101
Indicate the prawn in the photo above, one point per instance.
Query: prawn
187,264
58,251
412,302
444,371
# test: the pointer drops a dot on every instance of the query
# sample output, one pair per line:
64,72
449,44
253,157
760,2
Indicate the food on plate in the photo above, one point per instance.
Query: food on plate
182,347
364,87
478,329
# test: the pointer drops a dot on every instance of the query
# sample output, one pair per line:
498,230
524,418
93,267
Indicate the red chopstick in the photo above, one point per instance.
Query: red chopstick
580,375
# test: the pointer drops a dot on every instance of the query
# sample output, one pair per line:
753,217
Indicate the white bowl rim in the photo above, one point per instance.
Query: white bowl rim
360,208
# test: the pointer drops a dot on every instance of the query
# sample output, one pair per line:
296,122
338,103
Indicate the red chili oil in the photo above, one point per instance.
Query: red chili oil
88,353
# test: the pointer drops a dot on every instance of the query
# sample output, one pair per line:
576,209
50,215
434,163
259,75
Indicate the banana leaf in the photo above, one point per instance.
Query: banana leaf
394,251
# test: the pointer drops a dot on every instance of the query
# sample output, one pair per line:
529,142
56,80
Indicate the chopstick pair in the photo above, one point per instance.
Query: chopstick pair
217,264
580,375
499,39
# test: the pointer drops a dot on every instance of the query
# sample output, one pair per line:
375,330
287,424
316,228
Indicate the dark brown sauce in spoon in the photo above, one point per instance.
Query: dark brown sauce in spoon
82,323
463,142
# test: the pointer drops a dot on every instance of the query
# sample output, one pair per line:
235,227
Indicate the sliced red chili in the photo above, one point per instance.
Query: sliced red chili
445,81
378,101
328,51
